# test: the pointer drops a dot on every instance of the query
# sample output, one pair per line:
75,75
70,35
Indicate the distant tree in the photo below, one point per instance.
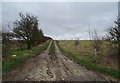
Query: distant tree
41,35
46,38
6,42
76,43
27,29
0,35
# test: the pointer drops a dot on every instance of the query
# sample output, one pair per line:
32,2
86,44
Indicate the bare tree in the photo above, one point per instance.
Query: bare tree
96,40
90,35
96,43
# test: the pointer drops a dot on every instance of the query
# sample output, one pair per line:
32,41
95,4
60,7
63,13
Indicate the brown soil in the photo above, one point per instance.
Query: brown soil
56,67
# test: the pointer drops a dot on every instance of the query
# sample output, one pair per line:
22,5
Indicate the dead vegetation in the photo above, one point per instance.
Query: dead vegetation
85,50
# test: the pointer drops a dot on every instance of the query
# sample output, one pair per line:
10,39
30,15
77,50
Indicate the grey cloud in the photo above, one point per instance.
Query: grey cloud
65,20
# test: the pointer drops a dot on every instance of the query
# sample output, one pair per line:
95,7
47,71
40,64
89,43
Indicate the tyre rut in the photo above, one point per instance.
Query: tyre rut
55,67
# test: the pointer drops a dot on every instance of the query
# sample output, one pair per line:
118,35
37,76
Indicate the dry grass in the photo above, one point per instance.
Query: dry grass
85,51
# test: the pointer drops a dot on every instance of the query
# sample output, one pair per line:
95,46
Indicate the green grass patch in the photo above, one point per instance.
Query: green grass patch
22,56
88,64
52,48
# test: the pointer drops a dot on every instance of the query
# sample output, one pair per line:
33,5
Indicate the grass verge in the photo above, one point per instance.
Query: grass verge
52,48
22,56
113,73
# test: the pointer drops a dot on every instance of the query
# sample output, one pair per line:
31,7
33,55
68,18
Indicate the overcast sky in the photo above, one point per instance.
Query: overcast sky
65,20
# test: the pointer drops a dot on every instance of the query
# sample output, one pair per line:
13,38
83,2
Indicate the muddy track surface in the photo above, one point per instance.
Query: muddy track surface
56,67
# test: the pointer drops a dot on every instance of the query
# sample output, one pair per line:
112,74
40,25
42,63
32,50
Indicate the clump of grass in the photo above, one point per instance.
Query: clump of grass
22,57
52,48
113,73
